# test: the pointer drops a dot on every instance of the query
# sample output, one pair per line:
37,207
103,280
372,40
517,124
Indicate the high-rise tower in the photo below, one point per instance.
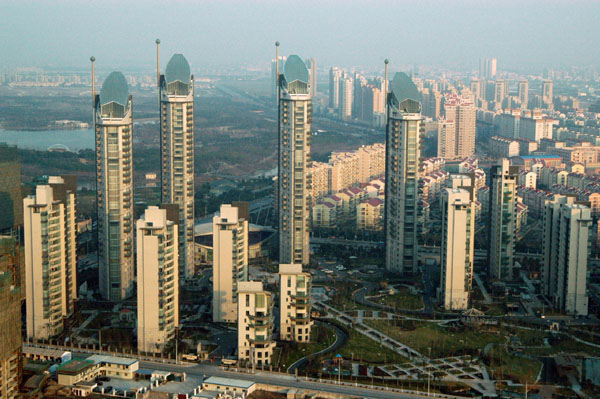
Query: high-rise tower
524,93
114,187
311,64
404,128
502,220
50,258
177,152
295,110
157,280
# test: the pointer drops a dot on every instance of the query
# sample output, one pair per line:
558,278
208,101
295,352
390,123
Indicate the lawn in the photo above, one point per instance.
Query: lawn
444,342
507,366
561,343
402,300
365,350
321,338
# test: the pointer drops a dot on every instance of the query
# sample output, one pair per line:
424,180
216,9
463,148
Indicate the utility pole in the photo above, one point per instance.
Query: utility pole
429,375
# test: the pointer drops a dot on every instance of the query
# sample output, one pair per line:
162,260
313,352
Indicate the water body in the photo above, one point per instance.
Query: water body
75,140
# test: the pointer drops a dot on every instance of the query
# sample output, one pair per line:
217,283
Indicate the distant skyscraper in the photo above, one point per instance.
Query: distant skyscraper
157,280
456,251
255,323
294,304
335,74
311,64
461,111
346,96
177,153
446,139
295,114
565,254
50,257
547,86
404,128
230,261
487,68
500,92
524,93
114,182
503,220
478,89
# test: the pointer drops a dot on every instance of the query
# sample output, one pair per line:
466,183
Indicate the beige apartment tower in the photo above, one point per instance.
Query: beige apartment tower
177,153
294,304
230,262
294,180
255,324
113,111
456,250
157,280
50,257
404,129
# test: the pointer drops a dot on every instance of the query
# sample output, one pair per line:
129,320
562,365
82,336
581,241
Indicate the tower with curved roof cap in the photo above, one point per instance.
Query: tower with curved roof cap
404,128
295,111
177,152
114,187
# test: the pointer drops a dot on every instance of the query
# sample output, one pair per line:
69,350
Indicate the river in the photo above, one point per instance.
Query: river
40,140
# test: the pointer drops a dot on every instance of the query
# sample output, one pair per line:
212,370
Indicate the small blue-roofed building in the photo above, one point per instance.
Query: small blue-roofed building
230,385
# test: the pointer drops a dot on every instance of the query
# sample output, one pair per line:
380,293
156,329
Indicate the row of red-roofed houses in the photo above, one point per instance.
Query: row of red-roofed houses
344,206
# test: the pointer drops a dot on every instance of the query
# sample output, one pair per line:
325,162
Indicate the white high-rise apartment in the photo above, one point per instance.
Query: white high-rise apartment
50,256
311,64
524,93
446,139
547,87
157,280
230,262
503,220
177,153
346,96
114,187
565,253
335,74
255,324
456,251
294,303
294,180
461,111
404,129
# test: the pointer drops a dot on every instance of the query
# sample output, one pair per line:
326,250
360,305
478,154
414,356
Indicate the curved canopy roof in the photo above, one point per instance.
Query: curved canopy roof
178,69
114,89
295,69
403,88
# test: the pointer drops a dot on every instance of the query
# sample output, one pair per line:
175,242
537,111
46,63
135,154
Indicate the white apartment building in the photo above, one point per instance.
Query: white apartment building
565,253
157,279
294,303
527,179
446,139
456,250
177,153
113,111
461,111
502,220
404,129
294,180
503,147
230,262
50,257
255,324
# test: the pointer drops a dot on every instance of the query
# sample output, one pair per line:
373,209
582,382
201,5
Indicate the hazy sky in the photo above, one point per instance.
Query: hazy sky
121,34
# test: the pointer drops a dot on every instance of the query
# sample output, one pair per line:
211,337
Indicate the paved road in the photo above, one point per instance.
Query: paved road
283,380
340,339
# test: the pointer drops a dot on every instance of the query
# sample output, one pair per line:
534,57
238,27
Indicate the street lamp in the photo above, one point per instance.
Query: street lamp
429,374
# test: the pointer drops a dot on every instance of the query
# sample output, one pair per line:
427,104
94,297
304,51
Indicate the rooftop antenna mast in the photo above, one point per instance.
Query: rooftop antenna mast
93,60
385,87
158,63
277,70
